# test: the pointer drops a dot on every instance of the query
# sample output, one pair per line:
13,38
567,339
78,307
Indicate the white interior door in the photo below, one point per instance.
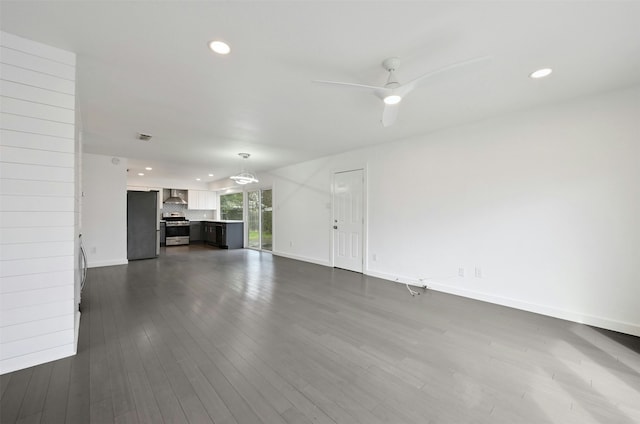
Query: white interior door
348,221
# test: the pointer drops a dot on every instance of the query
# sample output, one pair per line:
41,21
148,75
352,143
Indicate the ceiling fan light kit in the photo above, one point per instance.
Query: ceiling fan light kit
541,73
244,177
219,47
392,99
393,92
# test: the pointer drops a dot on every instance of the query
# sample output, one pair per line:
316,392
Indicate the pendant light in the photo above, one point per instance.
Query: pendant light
244,177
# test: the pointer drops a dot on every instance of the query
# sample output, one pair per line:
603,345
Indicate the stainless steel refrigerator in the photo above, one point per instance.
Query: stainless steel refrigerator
143,225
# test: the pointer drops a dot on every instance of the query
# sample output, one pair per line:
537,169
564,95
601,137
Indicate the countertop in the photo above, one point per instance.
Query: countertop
227,221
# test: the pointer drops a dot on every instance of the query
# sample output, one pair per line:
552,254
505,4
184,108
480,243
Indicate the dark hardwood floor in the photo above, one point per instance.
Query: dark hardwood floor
202,335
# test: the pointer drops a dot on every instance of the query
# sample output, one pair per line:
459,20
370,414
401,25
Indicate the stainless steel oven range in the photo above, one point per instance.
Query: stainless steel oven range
177,230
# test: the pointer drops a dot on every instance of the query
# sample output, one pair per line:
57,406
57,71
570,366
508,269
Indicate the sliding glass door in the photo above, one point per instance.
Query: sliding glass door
259,219
266,233
253,219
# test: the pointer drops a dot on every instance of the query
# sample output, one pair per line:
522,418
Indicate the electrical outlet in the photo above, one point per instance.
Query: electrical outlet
478,272
93,250
460,272
290,243
375,257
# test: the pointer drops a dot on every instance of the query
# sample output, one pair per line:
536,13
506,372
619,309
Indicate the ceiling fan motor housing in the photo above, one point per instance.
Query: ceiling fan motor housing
391,64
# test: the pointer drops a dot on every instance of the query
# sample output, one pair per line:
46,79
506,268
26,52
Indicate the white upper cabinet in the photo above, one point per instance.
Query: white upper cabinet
201,200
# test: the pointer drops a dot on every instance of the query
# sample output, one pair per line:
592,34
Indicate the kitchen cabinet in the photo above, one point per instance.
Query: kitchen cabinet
202,200
211,233
226,235
195,231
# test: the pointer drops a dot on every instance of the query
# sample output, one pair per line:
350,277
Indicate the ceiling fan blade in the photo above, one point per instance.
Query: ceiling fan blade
390,114
348,84
411,84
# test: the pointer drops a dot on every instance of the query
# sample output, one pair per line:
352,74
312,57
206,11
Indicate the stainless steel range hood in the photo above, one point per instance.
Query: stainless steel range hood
175,199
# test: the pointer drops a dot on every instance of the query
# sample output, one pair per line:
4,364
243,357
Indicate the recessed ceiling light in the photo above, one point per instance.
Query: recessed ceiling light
219,47
197,179
541,73
211,175
141,174
392,99
148,168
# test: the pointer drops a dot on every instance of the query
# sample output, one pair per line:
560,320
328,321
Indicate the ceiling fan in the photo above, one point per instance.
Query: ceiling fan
393,92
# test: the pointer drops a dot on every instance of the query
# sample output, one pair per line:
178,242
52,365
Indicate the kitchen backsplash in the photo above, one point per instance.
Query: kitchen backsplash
188,213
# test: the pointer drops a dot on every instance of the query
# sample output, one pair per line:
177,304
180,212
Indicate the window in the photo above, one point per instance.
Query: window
231,206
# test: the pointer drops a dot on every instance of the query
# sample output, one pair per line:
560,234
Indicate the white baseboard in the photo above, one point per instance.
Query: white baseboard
108,262
302,258
581,318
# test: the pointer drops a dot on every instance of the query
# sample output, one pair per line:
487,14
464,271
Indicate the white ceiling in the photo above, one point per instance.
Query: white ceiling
146,67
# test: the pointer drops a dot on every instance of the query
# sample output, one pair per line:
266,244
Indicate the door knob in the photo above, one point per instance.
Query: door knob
335,227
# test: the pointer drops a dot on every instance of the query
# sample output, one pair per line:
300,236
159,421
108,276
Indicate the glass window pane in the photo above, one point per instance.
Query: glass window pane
231,206
267,212
253,219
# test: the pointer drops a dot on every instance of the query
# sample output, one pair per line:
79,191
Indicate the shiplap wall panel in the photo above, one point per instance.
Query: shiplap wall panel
36,94
34,203
37,110
36,172
36,265
40,250
37,188
12,56
45,341
39,234
36,141
37,312
38,208
36,157
21,299
38,357
30,329
37,79
39,50
34,281
36,125
37,219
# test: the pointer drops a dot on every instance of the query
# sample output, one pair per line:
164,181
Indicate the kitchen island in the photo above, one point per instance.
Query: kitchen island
224,234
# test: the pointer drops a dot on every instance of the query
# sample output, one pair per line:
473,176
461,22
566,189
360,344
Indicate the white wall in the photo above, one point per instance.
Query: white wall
37,203
302,210
545,202
104,210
